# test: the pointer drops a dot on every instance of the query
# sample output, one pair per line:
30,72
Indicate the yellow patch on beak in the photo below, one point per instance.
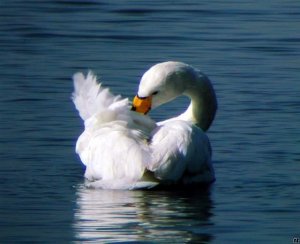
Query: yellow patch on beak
141,105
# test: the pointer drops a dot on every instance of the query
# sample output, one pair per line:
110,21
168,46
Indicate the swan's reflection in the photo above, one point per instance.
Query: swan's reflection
163,216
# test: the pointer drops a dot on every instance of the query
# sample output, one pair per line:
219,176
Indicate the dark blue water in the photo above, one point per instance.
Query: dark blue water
251,52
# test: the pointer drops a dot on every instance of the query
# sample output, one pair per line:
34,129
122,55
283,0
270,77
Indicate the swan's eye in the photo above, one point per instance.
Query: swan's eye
154,93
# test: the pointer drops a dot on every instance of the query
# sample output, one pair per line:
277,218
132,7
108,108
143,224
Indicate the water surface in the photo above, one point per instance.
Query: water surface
251,53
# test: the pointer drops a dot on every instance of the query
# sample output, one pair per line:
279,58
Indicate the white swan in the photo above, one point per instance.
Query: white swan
123,149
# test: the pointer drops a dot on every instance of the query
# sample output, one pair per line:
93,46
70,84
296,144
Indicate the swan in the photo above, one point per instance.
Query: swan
123,148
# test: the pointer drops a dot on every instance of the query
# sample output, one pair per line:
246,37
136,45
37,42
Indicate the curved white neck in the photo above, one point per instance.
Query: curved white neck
203,106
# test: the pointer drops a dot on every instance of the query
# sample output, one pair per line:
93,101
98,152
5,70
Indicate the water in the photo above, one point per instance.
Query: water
250,50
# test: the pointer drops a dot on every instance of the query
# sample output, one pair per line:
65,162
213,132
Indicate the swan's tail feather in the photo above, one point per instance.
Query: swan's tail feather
85,93
89,96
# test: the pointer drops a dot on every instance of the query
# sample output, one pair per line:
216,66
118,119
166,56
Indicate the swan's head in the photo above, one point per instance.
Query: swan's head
162,83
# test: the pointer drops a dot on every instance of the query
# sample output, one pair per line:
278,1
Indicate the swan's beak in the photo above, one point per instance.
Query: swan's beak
141,104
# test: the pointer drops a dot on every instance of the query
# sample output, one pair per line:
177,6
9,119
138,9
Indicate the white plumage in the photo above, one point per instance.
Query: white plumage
123,149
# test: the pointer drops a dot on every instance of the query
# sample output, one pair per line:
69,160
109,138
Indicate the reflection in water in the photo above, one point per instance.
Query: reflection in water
111,215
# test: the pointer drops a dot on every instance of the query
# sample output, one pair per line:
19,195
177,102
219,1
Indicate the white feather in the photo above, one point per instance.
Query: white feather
90,98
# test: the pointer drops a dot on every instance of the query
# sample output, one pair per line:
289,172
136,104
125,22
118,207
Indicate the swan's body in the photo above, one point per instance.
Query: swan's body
124,149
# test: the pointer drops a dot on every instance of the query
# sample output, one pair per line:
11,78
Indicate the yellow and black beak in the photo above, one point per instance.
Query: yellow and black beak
141,104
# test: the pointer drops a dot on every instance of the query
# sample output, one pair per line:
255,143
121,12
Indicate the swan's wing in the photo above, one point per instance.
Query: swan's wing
90,97
169,148
181,151
113,145
92,100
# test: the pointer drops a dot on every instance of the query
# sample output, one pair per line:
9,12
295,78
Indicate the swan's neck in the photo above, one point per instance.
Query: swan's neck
203,106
